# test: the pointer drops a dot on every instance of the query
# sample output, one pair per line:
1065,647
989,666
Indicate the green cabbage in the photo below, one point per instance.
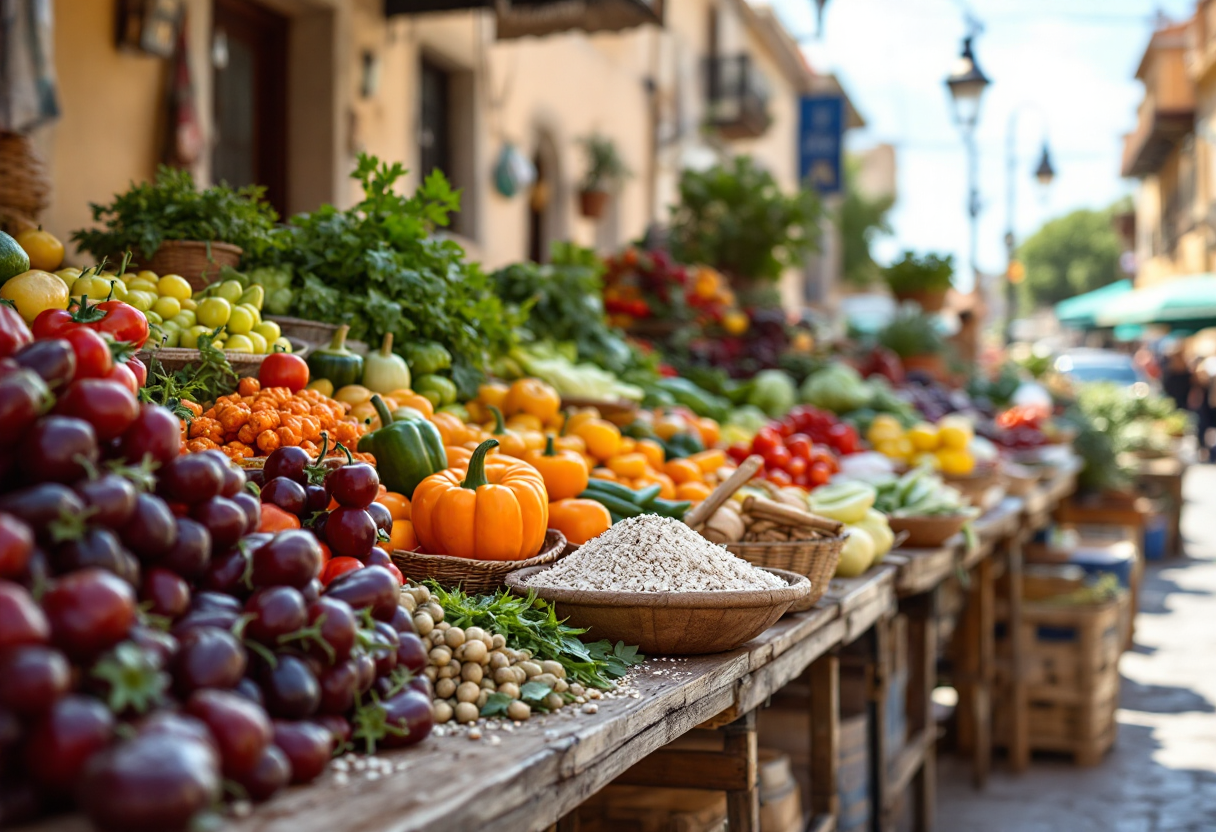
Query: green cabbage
773,391
838,388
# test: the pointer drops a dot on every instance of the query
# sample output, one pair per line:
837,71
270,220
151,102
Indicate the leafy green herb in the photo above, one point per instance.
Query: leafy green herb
920,274
172,208
534,693
532,624
211,378
380,267
496,704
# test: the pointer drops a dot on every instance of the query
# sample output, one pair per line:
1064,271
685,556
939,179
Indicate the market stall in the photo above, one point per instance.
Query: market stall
349,514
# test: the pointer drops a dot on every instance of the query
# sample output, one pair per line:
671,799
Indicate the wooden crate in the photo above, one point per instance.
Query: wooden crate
854,773
1071,669
644,809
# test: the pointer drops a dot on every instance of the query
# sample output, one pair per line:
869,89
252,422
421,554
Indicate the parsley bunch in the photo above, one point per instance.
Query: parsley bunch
172,208
380,267
532,624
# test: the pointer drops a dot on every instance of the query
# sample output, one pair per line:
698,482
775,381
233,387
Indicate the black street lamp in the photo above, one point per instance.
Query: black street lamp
967,83
1044,173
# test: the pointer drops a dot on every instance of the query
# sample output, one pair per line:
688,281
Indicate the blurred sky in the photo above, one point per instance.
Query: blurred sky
1070,62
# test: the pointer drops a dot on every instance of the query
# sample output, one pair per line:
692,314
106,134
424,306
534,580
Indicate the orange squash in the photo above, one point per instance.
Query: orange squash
579,520
484,512
565,473
534,397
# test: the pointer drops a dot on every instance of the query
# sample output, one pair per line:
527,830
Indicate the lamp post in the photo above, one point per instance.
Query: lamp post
967,83
1044,173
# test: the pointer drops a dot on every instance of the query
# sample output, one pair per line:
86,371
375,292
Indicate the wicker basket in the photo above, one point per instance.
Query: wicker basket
27,182
475,576
815,558
196,261
245,364
314,332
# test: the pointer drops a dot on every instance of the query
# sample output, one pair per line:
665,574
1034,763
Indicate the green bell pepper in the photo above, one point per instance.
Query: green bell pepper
336,362
427,357
441,391
406,452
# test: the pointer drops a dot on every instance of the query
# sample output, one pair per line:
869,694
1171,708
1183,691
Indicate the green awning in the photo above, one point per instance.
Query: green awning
1081,311
1182,301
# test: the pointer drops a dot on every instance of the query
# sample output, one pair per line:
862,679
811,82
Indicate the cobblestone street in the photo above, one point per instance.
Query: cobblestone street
1161,774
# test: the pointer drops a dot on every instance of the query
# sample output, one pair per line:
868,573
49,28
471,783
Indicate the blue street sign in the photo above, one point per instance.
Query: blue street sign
821,142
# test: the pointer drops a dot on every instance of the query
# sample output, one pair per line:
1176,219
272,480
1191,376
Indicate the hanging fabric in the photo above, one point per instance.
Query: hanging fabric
28,96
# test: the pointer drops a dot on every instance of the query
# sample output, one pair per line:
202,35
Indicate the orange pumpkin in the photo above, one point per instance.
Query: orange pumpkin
565,473
534,397
484,512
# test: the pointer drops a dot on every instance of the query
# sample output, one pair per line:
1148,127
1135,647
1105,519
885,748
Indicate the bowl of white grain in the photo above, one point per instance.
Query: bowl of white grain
654,582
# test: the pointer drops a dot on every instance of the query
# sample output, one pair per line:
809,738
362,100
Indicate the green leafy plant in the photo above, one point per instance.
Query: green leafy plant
605,167
564,302
171,207
862,218
205,381
911,332
736,218
928,273
380,267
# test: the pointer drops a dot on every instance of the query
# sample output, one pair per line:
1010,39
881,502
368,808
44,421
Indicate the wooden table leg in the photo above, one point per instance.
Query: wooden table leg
1019,701
921,611
743,806
825,736
569,823
880,656
981,693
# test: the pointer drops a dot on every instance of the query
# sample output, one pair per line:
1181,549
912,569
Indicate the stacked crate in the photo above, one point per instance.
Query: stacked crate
1071,670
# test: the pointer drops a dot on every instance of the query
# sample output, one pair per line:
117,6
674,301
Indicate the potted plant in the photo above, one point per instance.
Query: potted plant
605,170
923,280
914,337
171,227
736,218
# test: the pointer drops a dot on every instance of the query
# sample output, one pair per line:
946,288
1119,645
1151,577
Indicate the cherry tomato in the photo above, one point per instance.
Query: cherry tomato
799,446
779,478
138,370
797,467
786,427
738,452
339,566
93,359
778,457
843,438
282,369
766,439
820,473
122,321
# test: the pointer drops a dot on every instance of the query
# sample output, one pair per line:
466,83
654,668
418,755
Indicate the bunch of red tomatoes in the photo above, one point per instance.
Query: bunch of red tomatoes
802,448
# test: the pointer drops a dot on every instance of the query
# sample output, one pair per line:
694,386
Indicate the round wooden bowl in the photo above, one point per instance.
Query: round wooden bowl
671,623
928,531
976,484
476,577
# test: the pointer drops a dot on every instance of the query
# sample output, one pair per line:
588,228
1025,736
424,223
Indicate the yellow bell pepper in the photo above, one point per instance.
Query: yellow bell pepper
603,438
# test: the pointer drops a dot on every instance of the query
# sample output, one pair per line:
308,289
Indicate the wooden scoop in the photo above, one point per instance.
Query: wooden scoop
743,474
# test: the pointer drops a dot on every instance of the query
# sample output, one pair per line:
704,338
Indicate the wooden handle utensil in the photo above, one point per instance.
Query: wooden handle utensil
763,508
702,512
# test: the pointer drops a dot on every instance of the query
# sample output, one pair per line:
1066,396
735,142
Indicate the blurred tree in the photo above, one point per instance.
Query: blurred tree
862,219
1070,255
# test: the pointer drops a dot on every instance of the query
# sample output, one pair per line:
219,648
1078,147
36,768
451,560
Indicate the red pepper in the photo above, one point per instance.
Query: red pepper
14,334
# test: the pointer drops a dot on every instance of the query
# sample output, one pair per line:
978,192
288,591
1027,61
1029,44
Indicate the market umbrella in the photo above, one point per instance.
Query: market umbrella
1080,311
1183,300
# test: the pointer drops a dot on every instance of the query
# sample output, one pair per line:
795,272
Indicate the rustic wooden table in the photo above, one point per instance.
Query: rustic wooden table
533,776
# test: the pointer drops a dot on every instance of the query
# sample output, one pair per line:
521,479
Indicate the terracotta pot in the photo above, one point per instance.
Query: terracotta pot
929,300
593,203
934,365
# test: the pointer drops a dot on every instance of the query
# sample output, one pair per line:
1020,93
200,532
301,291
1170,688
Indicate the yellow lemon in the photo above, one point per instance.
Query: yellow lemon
213,312
923,437
34,292
955,463
174,286
955,432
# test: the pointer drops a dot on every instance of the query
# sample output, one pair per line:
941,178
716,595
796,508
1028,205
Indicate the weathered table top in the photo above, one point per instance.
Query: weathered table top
527,777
